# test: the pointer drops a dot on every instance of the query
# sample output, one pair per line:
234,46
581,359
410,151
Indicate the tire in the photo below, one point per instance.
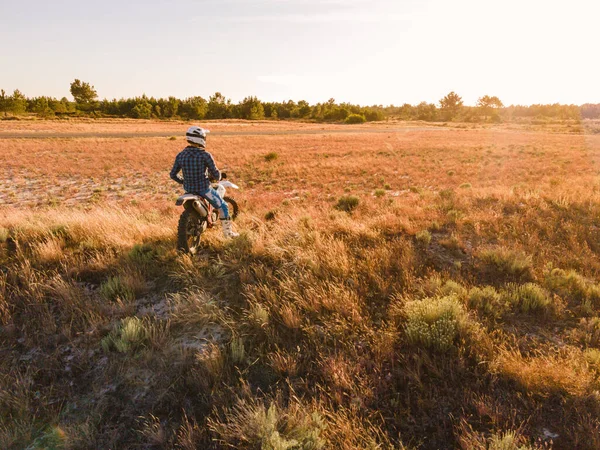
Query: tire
232,206
189,232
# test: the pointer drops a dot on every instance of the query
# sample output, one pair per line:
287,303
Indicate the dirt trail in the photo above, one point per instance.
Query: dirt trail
124,135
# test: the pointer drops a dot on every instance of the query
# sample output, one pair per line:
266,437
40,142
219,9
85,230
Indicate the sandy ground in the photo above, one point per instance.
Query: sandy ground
128,161
124,128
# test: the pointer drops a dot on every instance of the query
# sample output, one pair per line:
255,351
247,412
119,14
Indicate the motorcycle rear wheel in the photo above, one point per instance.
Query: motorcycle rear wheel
189,232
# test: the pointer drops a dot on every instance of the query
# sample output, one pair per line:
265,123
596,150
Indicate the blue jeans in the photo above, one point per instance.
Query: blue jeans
217,202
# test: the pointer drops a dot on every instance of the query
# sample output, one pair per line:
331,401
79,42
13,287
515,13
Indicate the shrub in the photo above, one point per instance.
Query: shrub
130,334
355,118
142,254
117,288
588,332
251,425
347,203
592,357
423,237
571,285
506,262
447,194
237,350
487,301
271,156
453,215
509,440
258,316
530,297
451,287
435,322
53,438
379,192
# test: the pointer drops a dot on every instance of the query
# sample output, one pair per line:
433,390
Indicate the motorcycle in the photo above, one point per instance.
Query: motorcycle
198,215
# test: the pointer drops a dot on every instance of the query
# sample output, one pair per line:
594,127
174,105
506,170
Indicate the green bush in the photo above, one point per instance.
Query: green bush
379,192
506,262
355,118
592,356
347,203
423,237
272,156
571,285
453,215
451,287
509,440
251,425
435,322
487,301
131,333
530,298
142,254
117,288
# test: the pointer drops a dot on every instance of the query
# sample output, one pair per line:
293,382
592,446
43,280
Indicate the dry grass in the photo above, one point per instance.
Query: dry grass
434,315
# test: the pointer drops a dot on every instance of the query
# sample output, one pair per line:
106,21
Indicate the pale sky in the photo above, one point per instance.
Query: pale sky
359,51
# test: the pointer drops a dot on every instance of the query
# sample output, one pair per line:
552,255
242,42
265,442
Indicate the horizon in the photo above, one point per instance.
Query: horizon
359,52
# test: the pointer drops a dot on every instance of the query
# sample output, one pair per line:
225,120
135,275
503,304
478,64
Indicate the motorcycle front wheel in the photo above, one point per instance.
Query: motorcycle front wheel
189,232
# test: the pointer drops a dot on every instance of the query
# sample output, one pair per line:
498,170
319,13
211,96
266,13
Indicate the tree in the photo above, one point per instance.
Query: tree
170,107
251,108
17,103
218,107
42,108
4,103
142,108
426,111
451,106
57,106
303,109
488,105
84,94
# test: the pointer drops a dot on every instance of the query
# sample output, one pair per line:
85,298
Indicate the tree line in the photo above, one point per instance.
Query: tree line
449,108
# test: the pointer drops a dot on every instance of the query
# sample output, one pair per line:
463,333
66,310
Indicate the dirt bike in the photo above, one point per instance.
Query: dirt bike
199,214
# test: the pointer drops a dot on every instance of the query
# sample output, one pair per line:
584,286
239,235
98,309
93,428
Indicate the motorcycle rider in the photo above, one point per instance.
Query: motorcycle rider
197,165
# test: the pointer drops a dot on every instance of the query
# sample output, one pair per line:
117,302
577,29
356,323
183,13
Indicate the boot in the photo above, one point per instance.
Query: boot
228,229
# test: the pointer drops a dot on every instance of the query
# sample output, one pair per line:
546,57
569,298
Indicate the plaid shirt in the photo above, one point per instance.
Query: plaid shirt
195,163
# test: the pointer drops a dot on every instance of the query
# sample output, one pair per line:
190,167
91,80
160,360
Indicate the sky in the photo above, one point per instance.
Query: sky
359,51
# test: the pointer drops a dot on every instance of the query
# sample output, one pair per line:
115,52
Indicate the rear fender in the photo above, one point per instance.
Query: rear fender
186,198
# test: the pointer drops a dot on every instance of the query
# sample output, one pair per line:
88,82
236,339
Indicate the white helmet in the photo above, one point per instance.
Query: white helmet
196,135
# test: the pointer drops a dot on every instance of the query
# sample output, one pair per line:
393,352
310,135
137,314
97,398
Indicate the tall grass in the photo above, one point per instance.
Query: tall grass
356,326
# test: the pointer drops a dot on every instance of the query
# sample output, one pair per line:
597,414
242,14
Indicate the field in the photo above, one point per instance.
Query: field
394,286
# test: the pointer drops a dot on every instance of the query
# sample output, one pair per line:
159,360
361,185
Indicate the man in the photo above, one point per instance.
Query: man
197,165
